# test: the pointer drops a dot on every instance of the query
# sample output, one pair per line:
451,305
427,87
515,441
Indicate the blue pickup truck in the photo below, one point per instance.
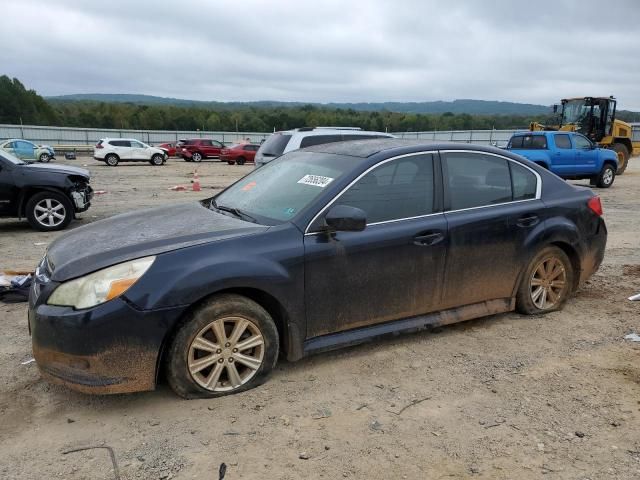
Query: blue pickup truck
569,155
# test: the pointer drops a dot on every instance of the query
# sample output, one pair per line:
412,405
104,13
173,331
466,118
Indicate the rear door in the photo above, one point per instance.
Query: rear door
394,267
492,203
122,148
563,157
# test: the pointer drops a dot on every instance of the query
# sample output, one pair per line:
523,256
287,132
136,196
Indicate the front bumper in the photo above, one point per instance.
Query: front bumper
111,348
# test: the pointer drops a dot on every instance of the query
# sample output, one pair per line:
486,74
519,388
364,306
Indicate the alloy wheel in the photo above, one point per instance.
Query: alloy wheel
548,284
226,354
607,176
49,212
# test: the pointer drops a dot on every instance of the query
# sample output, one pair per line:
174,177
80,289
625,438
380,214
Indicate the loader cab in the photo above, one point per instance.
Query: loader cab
591,116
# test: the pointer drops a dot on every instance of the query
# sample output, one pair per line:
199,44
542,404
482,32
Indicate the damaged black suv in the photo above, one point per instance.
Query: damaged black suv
48,195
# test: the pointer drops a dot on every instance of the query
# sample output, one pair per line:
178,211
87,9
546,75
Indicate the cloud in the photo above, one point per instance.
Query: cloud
331,51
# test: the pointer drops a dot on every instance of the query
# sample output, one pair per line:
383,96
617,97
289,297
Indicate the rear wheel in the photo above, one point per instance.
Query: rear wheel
546,283
606,176
111,160
49,211
228,345
623,157
196,157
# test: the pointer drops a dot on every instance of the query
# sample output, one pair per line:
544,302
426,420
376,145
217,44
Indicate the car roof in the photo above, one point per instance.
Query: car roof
396,146
545,132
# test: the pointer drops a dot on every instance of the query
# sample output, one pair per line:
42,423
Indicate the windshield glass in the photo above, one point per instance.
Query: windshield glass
281,189
10,158
575,111
274,145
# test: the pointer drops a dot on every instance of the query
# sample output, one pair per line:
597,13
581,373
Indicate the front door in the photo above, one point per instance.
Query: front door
390,270
564,156
586,154
492,207
24,150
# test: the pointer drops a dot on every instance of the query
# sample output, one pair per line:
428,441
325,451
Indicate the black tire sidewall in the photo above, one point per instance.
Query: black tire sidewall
241,161
38,197
215,307
600,183
106,160
44,158
524,303
154,160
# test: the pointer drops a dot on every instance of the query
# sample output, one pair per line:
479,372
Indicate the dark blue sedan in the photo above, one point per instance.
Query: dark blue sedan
324,247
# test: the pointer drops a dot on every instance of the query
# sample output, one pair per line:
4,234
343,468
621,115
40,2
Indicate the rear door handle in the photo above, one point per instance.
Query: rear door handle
425,239
527,221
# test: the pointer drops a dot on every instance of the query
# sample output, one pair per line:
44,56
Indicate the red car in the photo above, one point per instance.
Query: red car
169,147
239,153
195,149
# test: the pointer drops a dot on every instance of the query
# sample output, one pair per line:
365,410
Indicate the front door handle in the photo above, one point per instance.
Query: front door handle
425,239
528,221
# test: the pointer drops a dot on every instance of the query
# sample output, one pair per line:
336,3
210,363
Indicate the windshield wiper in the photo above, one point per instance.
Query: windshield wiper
235,211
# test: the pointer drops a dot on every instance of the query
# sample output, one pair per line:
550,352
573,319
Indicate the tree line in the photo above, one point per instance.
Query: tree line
19,105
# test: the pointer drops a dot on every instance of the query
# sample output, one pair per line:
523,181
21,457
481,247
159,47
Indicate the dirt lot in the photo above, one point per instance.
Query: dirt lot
505,397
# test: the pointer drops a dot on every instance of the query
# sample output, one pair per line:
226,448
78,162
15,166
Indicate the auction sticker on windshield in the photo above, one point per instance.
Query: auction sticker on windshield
316,180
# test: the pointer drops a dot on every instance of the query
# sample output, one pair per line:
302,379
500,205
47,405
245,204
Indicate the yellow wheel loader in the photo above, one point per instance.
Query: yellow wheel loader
595,118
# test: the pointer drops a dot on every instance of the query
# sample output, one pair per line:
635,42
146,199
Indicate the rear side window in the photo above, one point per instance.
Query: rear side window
361,137
319,140
562,141
120,143
476,180
523,181
398,189
275,145
529,142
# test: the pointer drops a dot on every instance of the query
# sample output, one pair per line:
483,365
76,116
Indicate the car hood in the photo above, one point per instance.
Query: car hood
140,234
55,168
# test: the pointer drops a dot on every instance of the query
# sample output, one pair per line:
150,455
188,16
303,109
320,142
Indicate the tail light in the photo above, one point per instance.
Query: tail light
595,205
99,145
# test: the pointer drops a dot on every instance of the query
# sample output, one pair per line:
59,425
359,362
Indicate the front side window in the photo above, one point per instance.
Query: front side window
562,141
398,189
135,144
476,180
582,143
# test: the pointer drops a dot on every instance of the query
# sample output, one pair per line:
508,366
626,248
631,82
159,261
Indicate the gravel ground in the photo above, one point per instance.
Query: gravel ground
504,397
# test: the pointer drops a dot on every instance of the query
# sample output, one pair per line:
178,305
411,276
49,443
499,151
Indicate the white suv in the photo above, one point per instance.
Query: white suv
114,150
282,142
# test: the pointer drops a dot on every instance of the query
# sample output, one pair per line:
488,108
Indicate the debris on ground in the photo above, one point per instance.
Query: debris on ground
178,188
15,286
28,361
116,470
634,337
635,298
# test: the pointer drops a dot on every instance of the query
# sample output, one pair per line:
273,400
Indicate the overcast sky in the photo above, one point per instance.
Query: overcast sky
331,50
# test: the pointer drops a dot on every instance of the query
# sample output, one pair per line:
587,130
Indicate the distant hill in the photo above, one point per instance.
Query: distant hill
472,107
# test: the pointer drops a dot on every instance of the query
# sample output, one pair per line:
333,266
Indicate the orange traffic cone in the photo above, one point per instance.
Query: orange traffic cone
196,182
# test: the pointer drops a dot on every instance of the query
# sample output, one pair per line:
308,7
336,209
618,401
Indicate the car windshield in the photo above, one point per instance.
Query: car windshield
10,158
281,189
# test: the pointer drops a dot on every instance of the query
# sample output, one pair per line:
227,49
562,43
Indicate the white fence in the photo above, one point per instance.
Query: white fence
90,136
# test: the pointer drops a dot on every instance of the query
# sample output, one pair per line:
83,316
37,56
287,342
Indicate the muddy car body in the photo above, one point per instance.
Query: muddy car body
48,195
297,257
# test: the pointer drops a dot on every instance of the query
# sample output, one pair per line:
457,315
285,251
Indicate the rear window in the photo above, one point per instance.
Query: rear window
528,142
275,145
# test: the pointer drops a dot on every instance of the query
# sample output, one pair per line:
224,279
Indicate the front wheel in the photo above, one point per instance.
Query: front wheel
49,211
606,177
44,157
547,282
157,160
228,345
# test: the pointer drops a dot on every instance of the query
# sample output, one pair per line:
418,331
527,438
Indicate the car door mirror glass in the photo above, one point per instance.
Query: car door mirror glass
344,218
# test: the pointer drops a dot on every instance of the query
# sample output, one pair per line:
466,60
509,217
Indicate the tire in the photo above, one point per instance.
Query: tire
44,158
623,157
606,176
241,161
196,157
552,257
157,160
49,211
196,340
111,160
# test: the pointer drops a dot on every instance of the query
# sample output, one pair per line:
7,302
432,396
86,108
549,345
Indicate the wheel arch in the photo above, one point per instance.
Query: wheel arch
28,192
574,258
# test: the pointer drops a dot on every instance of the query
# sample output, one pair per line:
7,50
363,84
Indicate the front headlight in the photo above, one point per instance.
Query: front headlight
100,286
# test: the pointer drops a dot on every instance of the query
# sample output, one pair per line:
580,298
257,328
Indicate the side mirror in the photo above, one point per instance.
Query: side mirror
343,218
